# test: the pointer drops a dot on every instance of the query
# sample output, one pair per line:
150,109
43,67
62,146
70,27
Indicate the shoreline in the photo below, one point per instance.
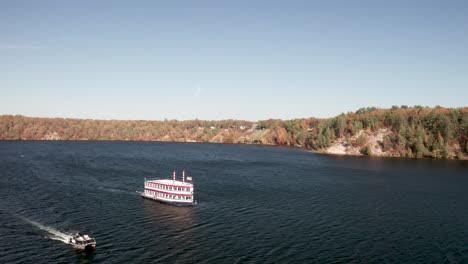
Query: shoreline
314,151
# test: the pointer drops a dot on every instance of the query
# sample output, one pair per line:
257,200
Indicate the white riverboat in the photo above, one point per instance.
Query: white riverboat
179,193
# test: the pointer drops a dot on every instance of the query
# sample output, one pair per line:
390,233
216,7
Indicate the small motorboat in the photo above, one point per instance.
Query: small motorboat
82,241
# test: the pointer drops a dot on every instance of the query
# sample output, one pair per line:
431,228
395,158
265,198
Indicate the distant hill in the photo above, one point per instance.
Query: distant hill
413,132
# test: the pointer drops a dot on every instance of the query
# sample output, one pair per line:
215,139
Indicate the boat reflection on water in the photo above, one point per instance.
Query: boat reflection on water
85,256
170,218
169,229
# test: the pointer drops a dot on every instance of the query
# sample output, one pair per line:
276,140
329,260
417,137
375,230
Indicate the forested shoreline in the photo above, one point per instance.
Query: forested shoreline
400,131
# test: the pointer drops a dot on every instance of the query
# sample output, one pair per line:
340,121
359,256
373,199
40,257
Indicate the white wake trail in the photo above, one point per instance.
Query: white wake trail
52,233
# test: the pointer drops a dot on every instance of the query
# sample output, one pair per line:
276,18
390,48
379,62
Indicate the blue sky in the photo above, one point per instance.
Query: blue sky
229,59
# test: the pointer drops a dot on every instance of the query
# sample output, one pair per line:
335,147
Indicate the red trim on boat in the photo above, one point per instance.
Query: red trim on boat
171,185
171,193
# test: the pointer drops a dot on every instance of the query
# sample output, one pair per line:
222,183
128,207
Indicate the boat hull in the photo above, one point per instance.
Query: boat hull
85,247
175,203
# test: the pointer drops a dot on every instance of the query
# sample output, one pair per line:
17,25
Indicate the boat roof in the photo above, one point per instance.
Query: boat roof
171,182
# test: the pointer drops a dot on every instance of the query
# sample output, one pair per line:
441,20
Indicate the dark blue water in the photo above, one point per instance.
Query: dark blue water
256,204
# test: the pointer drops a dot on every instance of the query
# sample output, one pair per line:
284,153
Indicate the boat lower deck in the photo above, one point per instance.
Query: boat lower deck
168,201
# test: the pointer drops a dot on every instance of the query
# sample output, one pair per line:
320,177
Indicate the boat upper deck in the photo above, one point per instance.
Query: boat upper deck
171,183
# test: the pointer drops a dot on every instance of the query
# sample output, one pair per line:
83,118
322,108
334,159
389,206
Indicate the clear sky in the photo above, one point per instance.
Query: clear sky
229,59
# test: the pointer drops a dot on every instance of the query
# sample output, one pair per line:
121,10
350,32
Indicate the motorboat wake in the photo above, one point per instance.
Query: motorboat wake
78,240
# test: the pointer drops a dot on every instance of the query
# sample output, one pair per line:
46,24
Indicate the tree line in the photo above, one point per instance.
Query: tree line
412,131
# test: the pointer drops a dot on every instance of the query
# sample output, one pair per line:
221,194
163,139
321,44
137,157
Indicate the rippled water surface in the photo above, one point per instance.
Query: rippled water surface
256,204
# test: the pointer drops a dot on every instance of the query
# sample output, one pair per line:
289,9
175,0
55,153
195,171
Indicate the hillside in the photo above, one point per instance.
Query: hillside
413,132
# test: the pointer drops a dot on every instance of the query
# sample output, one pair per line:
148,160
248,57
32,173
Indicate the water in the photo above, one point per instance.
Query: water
256,204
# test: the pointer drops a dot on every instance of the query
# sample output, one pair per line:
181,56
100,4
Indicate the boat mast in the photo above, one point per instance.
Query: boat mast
183,175
173,175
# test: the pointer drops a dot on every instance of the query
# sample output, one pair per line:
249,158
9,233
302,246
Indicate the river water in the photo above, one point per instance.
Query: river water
256,204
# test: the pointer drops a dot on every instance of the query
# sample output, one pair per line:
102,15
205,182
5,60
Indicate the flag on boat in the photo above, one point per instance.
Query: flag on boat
189,178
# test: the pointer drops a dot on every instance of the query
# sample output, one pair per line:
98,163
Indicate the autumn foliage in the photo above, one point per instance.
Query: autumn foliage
414,131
